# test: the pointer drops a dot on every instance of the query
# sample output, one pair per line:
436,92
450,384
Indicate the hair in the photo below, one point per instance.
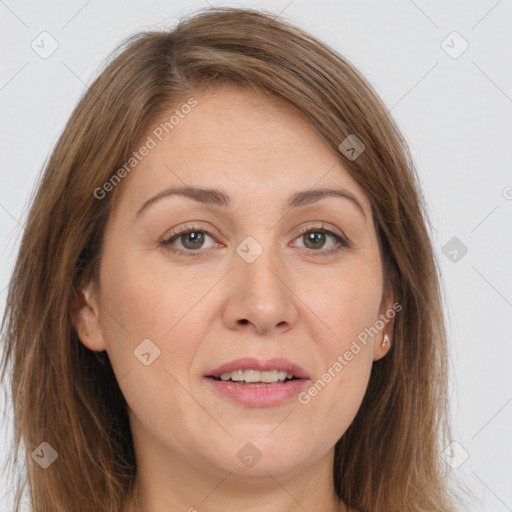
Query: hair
68,396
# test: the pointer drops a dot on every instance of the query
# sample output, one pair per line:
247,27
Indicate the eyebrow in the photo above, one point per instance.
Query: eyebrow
216,197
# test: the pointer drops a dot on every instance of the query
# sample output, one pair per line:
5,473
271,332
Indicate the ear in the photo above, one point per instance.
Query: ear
388,310
84,312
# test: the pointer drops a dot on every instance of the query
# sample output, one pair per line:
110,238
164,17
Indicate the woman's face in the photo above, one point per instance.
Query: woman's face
256,278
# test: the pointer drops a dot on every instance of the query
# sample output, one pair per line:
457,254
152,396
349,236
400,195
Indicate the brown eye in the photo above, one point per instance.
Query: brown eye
315,239
190,241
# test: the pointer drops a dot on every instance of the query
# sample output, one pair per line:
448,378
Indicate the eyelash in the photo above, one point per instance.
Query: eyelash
342,243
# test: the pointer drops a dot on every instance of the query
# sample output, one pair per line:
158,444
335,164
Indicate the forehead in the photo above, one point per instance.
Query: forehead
234,122
251,145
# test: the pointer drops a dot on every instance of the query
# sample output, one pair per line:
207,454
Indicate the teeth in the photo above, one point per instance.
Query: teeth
281,375
269,376
237,375
252,375
256,376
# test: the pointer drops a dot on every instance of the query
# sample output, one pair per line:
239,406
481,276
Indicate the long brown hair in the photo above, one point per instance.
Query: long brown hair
67,396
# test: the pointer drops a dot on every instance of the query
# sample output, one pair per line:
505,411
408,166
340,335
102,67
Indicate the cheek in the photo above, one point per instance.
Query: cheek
150,324
350,310
147,296
337,393
347,389
151,308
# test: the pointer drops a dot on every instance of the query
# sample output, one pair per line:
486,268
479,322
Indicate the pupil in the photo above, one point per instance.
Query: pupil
196,244
315,235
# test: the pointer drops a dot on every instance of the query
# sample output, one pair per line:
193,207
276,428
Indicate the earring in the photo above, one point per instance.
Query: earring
386,340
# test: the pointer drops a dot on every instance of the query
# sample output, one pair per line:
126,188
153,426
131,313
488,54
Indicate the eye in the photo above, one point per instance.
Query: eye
315,239
192,238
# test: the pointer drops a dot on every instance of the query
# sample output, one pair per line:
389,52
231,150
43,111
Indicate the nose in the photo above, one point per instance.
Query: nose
260,298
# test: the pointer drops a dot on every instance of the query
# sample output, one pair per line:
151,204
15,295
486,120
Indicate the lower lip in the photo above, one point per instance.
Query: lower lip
258,396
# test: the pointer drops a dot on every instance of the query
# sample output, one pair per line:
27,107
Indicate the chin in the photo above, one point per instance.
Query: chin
262,452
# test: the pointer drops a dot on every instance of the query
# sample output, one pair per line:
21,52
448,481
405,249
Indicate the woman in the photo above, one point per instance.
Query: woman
226,294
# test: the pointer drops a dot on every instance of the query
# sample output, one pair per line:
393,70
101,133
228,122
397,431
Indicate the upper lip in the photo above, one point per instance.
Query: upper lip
252,363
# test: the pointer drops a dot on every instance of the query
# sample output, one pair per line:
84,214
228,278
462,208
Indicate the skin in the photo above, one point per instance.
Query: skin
294,301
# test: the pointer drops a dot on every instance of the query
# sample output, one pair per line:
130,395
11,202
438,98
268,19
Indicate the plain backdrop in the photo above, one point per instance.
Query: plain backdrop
451,94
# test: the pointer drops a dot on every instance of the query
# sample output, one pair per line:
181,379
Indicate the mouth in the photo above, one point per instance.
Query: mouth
255,378
256,383
250,370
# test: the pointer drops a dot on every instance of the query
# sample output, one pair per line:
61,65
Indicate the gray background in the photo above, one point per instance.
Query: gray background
454,108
